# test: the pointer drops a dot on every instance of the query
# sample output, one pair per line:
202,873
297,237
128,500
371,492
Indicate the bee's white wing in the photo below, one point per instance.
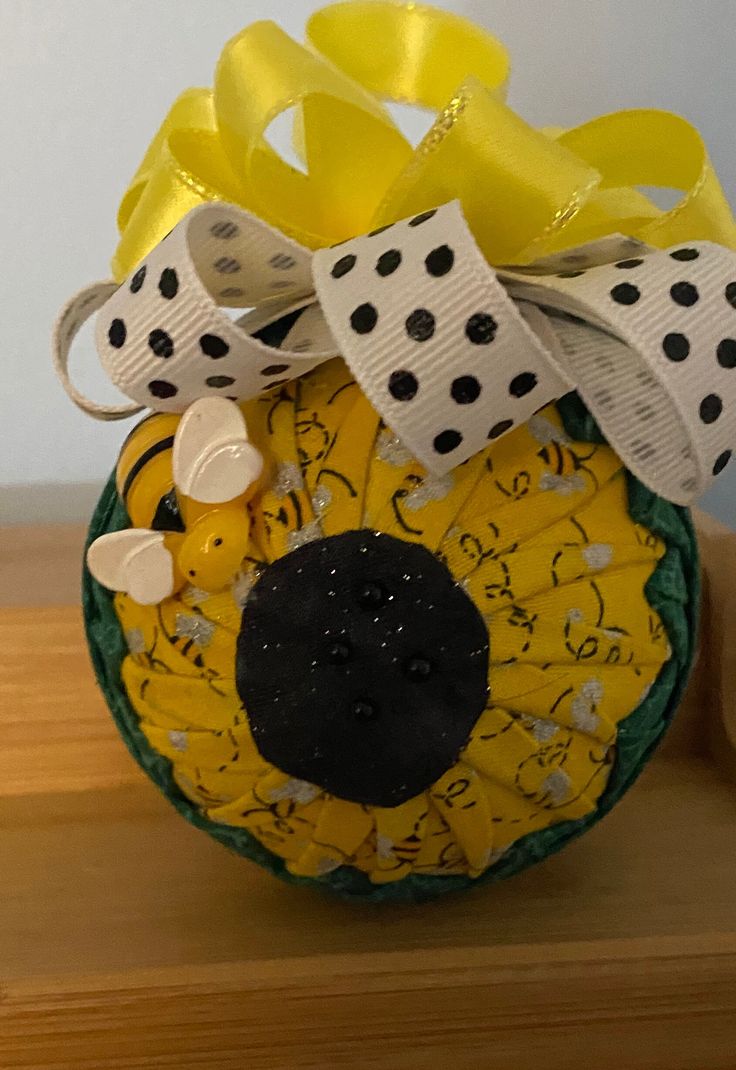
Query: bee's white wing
135,561
213,460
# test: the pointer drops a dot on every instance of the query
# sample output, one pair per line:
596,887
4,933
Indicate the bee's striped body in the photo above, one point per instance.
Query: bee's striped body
144,476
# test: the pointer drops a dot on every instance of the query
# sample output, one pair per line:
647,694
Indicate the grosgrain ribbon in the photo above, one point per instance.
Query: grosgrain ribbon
526,196
451,353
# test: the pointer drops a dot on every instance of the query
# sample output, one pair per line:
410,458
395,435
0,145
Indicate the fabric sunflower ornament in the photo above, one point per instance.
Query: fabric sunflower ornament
405,584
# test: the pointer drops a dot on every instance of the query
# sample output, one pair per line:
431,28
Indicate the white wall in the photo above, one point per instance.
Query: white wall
83,86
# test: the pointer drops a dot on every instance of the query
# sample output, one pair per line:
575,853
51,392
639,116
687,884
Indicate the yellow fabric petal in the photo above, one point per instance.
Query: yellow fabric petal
283,508
399,834
276,811
463,805
340,830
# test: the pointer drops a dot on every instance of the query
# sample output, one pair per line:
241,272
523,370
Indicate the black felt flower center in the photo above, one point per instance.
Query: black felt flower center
362,665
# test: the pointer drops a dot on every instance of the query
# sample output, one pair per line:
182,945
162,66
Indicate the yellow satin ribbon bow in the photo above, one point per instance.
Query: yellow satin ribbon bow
525,193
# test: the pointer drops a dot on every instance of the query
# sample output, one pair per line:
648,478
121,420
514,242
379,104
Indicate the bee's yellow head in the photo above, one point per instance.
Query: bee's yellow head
211,552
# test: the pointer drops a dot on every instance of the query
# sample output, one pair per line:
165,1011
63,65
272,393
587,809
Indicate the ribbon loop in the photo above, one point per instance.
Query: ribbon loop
433,338
71,319
525,193
450,353
165,338
658,374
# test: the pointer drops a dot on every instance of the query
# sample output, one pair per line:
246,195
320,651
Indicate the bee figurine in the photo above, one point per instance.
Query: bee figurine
185,481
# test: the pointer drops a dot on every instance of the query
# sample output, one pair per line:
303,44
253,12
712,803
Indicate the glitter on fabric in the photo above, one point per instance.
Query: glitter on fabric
544,431
390,449
431,489
243,585
321,498
135,641
556,786
192,626
565,485
310,532
178,740
598,555
288,478
384,846
541,728
299,791
195,595
327,865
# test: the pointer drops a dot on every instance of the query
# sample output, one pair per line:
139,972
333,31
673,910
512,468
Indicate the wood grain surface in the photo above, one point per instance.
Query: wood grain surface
129,940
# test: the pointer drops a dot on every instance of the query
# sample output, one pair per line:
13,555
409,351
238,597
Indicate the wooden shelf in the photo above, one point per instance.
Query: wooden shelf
129,940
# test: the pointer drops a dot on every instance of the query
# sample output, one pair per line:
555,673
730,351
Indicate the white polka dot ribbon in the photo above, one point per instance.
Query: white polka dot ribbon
451,353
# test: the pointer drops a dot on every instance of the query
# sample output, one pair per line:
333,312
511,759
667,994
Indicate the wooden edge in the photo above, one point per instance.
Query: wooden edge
718,638
302,1012
370,968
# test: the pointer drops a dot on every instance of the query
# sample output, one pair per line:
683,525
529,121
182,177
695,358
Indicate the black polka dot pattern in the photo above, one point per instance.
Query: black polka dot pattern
403,385
227,265
439,262
465,389
364,318
420,324
160,388
684,293
481,329
721,462
726,353
500,428
388,262
431,294
625,293
117,333
447,441
224,229
168,284
138,279
213,346
343,266
522,384
219,381
676,346
161,343
282,262
711,408
422,217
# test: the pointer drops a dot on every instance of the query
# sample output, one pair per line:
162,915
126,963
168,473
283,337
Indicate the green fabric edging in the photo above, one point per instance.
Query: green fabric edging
673,590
